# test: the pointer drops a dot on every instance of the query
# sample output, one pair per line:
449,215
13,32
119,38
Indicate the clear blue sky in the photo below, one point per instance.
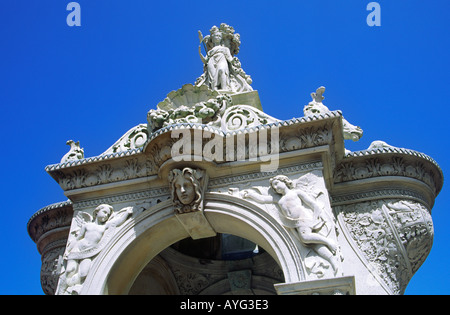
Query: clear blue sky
94,82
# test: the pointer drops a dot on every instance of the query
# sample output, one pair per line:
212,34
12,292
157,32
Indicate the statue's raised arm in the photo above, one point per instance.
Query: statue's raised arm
257,197
200,37
120,217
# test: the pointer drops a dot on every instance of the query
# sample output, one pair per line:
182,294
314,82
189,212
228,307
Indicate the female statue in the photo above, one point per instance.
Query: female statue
222,70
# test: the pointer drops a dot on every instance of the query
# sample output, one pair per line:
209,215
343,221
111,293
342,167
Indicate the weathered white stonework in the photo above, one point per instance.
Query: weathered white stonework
213,196
392,236
75,152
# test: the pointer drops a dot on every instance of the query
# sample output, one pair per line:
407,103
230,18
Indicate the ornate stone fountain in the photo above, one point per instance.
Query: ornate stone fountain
275,206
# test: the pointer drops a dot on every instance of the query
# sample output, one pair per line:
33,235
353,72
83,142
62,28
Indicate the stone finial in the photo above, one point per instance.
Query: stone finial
187,188
316,107
378,144
318,95
75,152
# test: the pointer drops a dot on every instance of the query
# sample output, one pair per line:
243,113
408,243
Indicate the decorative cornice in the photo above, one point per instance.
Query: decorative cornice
153,195
389,150
351,198
390,161
294,134
221,181
37,229
215,130
55,167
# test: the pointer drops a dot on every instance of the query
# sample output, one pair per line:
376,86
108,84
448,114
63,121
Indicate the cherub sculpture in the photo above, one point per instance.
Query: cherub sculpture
91,237
303,213
222,69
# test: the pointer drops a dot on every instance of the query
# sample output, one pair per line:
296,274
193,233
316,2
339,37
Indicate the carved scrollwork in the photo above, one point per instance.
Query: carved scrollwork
244,116
133,139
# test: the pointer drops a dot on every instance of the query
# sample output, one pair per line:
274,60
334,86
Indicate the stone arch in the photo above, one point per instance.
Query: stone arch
142,238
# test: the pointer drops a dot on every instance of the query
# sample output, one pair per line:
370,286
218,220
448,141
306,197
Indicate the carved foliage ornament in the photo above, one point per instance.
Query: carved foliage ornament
190,104
394,236
103,174
51,268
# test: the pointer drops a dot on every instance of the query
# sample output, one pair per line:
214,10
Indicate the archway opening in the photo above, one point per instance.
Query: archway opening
153,232
224,264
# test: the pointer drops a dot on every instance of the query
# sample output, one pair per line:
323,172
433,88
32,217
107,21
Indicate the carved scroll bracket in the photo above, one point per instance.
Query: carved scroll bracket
187,188
196,224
